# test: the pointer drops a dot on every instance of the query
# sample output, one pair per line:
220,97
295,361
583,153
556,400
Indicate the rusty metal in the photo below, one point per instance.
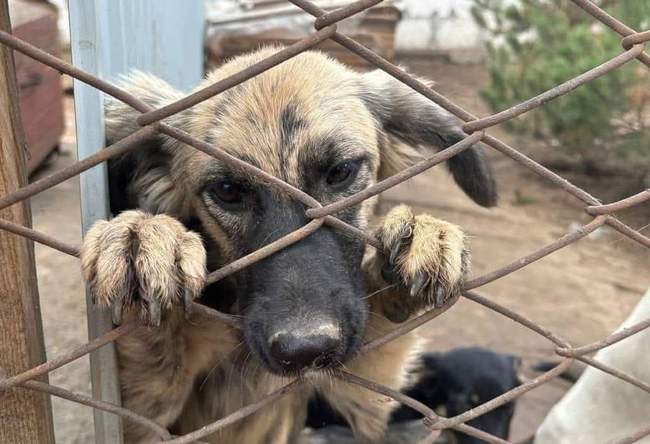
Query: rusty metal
239,414
634,437
605,342
265,251
39,237
614,372
396,179
98,404
502,399
325,24
248,73
426,412
342,13
537,255
555,92
629,232
619,205
128,143
613,23
67,357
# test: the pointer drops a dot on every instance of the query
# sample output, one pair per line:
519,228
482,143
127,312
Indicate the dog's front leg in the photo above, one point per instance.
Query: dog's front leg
424,265
152,268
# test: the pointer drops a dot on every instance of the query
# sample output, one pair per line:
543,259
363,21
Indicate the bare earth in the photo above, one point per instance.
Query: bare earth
581,292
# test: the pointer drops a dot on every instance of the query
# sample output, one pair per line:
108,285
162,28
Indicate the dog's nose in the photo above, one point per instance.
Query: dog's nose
295,351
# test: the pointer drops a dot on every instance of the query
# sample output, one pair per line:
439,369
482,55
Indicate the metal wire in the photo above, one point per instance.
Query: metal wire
633,44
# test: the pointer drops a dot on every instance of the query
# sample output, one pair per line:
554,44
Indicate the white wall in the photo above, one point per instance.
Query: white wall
438,25
427,25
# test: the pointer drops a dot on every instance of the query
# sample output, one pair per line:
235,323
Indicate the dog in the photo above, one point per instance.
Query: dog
600,408
329,131
450,383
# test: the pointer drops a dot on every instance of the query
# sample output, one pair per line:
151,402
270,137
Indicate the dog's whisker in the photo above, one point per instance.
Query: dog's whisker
218,363
380,290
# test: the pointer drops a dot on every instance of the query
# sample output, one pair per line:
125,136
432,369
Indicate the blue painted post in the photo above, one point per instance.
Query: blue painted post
164,37
109,38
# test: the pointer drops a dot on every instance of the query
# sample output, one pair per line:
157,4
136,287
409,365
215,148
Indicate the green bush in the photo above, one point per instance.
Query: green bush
538,44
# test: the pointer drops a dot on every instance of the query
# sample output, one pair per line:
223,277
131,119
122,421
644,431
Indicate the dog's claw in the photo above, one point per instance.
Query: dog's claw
440,298
419,282
117,312
394,252
426,258
188,299
155,313
390,275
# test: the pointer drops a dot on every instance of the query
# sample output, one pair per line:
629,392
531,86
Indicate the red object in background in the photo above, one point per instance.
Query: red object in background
39,87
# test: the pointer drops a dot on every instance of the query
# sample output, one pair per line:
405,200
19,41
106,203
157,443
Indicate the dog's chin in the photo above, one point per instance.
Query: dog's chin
307,372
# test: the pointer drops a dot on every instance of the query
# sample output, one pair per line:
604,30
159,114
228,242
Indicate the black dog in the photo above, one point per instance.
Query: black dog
450,383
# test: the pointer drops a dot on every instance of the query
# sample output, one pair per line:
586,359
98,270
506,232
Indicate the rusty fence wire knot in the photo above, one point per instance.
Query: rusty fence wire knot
325,25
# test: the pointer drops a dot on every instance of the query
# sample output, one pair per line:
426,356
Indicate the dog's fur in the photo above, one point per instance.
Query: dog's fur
449,383
309,121
459,380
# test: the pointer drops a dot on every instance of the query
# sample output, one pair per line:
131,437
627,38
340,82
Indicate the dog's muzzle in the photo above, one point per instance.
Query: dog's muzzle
308,346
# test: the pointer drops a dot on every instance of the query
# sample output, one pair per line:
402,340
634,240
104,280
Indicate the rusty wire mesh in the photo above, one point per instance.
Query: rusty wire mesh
325,25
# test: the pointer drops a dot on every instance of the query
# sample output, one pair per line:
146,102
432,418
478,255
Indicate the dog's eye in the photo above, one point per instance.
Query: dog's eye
228,192
342,173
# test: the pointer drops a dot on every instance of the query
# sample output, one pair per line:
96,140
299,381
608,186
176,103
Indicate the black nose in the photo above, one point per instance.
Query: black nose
296,352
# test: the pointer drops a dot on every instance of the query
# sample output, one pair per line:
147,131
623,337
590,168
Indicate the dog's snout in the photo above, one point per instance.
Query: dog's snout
295,350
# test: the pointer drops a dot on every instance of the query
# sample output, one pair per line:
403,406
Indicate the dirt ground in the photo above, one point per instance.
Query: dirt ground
581,292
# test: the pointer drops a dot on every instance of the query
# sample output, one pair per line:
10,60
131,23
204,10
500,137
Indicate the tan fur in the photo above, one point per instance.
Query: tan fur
170,261
366,411
436,246
192,371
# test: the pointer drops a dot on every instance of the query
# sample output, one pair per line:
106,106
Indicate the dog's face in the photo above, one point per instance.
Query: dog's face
457,381
326,130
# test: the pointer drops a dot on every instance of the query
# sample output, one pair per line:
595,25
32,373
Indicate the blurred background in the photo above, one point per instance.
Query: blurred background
485,55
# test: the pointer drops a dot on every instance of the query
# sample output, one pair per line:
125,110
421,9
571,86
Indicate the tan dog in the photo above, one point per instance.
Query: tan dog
331,132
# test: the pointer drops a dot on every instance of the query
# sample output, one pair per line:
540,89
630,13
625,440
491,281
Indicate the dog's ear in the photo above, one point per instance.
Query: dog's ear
143,176
517,365
423,125
431,361
120,118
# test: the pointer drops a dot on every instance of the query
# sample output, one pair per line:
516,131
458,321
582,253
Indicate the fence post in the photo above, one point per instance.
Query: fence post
26,416
108,38
86,49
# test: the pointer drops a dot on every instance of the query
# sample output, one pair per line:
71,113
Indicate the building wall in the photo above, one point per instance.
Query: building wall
439,26
427,26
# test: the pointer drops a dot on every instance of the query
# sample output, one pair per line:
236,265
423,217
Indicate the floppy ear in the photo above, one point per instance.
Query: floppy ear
517,365
143,177
423,126
431,362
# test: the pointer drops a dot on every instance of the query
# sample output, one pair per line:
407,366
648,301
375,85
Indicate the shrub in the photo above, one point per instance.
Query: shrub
537,44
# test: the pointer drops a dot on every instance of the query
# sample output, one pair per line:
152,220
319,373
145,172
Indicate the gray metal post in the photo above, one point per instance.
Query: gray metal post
109,38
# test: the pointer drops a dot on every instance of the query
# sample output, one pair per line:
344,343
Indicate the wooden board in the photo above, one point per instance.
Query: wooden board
376,31
39,86
25,416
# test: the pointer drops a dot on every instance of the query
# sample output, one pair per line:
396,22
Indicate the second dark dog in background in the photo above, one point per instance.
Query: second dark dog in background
450,383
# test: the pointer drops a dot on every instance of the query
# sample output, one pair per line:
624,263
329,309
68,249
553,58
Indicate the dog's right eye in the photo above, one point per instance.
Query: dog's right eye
228,193
343,173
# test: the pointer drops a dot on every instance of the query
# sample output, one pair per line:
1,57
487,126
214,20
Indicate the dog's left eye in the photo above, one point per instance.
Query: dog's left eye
228,193
342,174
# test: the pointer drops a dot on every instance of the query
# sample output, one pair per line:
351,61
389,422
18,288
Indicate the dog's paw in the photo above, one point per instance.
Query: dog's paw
145,263
426,257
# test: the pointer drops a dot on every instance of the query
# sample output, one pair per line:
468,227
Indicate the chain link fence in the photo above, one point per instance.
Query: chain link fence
325,25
